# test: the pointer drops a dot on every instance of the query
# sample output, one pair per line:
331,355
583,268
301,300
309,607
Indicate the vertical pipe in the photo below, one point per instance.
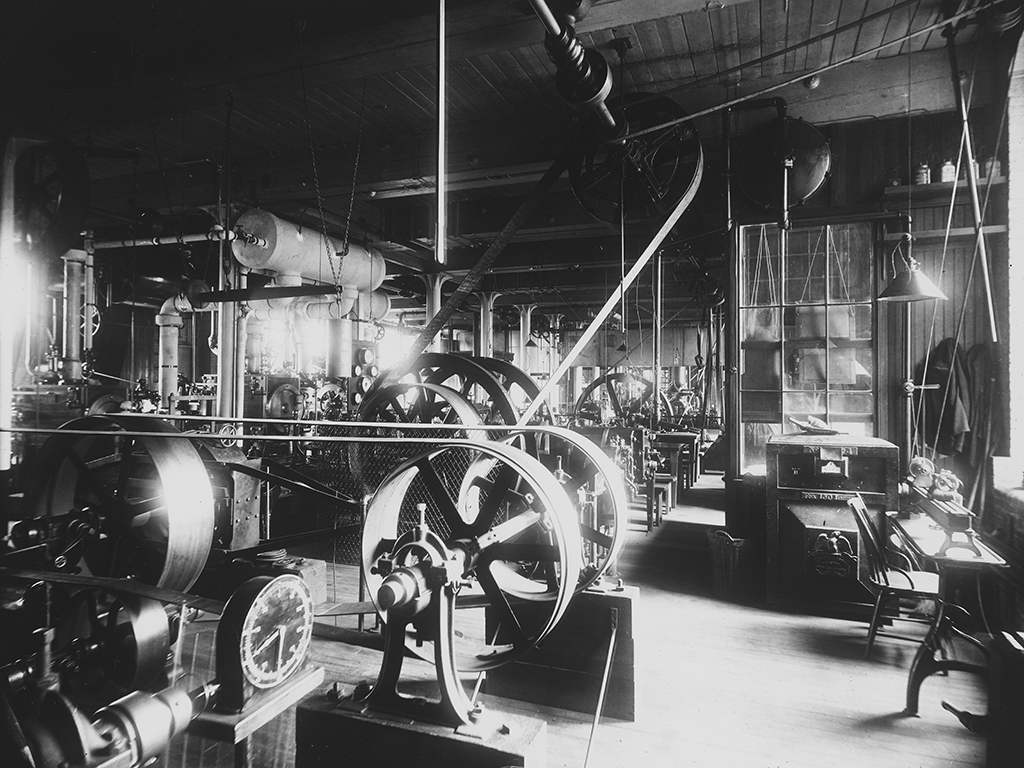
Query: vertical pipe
238,382
74,272
170,325
9,300
440,245
656,356
525,316
486,340
89,293
227,354
907,435
433,283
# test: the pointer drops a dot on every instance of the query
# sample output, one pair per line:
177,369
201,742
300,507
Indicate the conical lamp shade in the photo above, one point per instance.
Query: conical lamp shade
911,285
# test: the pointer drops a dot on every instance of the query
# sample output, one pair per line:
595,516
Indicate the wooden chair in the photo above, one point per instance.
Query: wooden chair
894,578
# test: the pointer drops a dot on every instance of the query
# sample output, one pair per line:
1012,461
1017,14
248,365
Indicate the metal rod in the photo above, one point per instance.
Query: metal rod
614,620
609,305
972,181
656,356
440,242
800,78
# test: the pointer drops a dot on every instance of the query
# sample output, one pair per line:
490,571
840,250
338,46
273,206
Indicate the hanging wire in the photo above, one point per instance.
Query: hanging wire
325,238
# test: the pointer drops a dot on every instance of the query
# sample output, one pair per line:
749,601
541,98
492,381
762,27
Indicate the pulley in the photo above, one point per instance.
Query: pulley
647,175
782,163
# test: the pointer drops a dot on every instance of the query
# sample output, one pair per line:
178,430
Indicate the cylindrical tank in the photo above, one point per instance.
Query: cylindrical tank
291,251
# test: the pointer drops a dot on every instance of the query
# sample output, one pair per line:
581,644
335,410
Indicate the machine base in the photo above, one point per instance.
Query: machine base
566,669
328,735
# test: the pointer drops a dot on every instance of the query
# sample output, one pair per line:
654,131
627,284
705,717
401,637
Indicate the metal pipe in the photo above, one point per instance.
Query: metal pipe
656,356
290,250
74,273
440,240
217,234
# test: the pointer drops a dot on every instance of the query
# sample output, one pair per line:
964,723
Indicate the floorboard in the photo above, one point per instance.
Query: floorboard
718,683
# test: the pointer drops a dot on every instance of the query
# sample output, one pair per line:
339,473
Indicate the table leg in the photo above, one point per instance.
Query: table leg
242,753
925,664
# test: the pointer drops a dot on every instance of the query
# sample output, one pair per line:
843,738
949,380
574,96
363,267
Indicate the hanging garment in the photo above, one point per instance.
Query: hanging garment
947,407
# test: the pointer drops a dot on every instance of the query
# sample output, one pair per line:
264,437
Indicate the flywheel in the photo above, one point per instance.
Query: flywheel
138,499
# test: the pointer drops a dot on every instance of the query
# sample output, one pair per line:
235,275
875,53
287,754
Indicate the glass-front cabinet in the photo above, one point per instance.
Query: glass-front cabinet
806,313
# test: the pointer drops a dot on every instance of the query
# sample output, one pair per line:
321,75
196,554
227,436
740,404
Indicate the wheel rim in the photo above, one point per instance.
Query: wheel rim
150,493
527,579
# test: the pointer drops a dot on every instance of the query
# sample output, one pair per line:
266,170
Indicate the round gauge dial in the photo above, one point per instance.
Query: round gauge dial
366,356
276,631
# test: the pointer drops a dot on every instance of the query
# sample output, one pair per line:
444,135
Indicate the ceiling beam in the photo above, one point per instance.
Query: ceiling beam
474,29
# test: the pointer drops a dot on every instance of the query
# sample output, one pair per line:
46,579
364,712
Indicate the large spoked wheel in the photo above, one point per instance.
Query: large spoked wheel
594,484
520,386
648,175
140,505
630,399
471,380
512,515
406,405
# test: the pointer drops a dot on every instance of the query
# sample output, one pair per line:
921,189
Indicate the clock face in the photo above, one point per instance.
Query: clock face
276,632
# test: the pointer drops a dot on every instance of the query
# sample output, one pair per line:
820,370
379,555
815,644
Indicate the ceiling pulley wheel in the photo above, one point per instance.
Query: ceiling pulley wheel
648,175
783,141
51,196
140,499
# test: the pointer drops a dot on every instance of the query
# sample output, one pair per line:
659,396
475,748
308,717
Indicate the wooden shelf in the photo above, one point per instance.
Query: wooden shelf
956,233
939,189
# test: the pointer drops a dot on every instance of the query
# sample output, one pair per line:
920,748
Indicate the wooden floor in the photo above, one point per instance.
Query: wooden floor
718,683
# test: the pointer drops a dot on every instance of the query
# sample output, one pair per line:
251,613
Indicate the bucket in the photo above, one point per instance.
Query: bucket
733,566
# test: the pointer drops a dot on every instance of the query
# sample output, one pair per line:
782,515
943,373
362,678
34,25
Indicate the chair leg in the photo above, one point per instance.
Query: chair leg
876,619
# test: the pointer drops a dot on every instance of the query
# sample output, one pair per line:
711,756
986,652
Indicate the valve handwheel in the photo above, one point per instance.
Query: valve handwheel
649,174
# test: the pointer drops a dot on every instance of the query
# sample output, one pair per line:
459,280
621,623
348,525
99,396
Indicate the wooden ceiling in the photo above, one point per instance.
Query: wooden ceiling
326,112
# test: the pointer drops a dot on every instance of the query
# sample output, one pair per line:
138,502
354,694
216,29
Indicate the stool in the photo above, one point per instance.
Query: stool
659,495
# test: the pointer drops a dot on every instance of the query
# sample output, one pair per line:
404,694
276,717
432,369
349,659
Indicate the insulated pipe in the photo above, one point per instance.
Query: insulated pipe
485,342
291,251
74,276
339,348
169,321
91,313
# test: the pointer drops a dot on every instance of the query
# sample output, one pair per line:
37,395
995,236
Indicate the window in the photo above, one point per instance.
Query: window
806,331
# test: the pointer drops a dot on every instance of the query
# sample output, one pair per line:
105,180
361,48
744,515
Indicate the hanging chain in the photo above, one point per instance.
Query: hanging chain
328,244
355,172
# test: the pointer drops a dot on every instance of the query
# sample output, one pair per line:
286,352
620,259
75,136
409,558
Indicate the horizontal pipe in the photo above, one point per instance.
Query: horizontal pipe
214,235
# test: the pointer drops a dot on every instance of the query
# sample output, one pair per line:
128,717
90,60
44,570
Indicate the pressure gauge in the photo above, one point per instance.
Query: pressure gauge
366,356
263,637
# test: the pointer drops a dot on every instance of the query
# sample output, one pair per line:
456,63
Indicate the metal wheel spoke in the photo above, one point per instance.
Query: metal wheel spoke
515,551
438,491
596,536
509,621
125,469
91,480
496,492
